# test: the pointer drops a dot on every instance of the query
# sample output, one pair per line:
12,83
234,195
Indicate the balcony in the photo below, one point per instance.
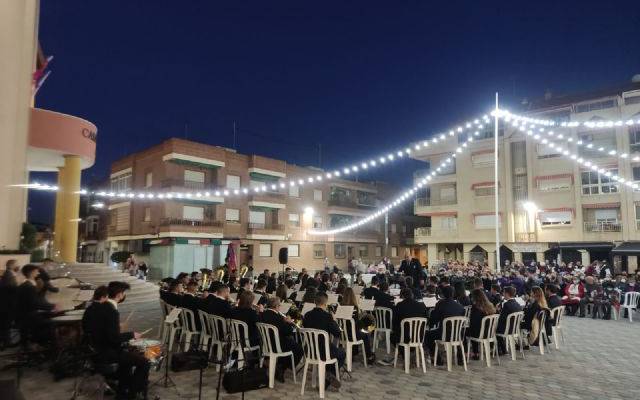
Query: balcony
191,225
254,227
356,236
603,227
114,231
526,237
429,234
428,202
187,184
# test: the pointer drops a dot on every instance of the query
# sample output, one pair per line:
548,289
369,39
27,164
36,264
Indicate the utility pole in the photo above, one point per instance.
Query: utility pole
234,135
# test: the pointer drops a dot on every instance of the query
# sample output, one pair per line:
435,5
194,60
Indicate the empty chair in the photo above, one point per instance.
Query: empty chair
240,339
383,317
316,354
171,329
205,331
219,337
557,314
486,338
412,332
270,340
543,339
451,340
188,328
348,340
630,303
511,333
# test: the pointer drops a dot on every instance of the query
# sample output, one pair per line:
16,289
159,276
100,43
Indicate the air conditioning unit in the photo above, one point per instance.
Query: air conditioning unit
520,171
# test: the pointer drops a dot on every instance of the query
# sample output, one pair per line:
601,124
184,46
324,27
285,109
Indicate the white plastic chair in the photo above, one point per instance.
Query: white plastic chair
557,331
171,329
451,340
630,303
312,339
512,333
543,339
240,340
417,328
205,331
219,331
383,317
163,309
467,315
270,339
188,325
348,341
487,336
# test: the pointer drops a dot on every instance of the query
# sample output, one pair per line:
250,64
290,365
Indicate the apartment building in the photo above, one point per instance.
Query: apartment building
549,206
186,234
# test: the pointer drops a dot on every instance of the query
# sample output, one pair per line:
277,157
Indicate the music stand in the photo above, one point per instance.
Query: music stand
169,320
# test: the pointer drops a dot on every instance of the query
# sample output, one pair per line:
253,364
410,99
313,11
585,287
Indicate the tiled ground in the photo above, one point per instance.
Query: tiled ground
600,360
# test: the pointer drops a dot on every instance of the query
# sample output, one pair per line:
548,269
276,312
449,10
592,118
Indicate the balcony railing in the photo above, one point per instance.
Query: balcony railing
424,231
526,237
187,184
191,222
342,202
603,227
428,201
254,226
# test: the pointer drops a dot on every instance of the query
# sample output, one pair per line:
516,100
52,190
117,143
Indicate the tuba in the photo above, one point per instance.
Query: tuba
220,274
243,271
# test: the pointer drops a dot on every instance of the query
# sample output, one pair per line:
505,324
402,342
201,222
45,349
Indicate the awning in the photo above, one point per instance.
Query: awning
601,205
585,245
627,249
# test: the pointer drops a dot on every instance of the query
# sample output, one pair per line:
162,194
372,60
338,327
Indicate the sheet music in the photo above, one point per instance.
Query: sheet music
520,301
307,307
396,300
173,316
300,295
367,304
297,287
430,302
394,292
256,298
344,312
332,298
290,292
233,296
284,308
366,278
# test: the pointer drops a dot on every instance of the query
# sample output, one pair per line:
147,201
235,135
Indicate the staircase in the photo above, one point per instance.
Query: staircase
143,296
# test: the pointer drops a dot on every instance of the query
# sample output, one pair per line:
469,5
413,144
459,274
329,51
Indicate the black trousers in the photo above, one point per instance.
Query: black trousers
288,344
133,371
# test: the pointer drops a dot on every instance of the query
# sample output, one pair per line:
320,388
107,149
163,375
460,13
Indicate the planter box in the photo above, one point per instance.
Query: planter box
22,259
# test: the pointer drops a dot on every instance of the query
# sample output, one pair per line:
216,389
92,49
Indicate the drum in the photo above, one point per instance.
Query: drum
150,348
67,330
74,312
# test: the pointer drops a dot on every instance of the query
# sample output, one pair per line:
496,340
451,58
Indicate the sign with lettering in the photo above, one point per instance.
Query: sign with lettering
89,134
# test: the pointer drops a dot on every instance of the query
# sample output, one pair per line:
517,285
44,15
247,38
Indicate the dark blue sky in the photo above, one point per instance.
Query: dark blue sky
356,77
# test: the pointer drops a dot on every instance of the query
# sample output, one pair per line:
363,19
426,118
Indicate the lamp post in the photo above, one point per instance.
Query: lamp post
496,186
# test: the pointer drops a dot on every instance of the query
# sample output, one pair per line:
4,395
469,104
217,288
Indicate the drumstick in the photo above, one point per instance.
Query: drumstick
129,316
145,332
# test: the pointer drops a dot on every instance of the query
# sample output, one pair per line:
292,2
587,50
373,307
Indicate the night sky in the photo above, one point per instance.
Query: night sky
358,78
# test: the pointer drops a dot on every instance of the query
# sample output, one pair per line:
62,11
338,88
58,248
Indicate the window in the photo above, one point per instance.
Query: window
556,183
394,251
597,144
257,217
363,251
404,229
483,159
232,215
294,219
548,218
121,182
317,222
596,105
233,182
606,216
148,179
264,250
317,195
632,100
318,251
147,214
634,139
549,150
484,191
294,250
294,191
594,183
448,194
193,176
393,228
193,213
637,207
378,252
449,223
339,250
448,168
485,221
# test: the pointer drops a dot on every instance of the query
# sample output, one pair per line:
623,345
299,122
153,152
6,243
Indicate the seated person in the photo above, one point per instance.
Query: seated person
101,323
32,310
573,293
173,296
552,296
590,289
445,308
384,299
480,308
320,318
533,310
430,295
245,284
246,313
461,294
494,295
286,330
217,303
372,291
191,301
261,289
509,307
349,298
408,307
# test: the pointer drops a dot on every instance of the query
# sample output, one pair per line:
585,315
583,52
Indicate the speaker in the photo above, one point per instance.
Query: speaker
283,256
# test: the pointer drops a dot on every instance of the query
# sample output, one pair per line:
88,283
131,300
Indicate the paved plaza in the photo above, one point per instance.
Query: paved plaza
599,360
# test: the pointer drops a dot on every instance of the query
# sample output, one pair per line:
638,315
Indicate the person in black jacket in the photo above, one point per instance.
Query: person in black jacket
286,330
101,322
320,318
8,298
509,307
383,298
552,296
217,303
407,308
173,295
461,294
372,291
191,301
261,289
32,309
246,313
446,307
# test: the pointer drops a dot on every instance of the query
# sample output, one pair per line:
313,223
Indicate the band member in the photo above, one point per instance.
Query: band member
32,309
102,329
285,331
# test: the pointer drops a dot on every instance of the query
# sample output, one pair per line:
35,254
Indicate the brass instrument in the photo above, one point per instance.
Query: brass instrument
220,274
243,271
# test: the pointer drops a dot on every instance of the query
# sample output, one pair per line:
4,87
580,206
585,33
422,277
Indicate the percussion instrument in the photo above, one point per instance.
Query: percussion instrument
150,348
67,330
74,312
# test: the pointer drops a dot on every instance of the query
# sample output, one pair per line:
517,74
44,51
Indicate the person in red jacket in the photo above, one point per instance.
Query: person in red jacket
573,293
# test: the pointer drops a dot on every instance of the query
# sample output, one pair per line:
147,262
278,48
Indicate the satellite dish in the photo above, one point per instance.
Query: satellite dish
636,78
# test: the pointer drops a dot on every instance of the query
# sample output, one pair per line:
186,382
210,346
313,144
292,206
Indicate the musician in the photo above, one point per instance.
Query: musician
246,313
446,307
8,298
373,291
217,303
494,295
261,289
384,299
509,307
349,298
286,330
191,301
173,295
102,329
245,284
553,300
100,296
320,318
32,309
324,284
